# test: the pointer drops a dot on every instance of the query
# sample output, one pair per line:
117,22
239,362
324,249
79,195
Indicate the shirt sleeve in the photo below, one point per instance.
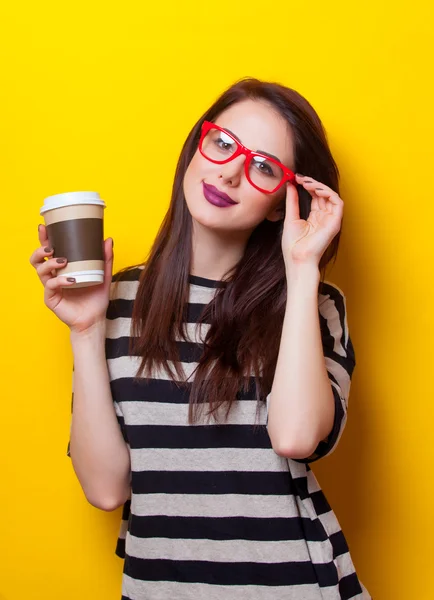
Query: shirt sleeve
111,311
339,360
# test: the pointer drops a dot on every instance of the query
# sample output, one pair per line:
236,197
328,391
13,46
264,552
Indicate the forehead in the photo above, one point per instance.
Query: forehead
259,127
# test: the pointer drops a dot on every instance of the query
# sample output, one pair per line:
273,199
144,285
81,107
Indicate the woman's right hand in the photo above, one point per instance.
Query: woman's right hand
79,308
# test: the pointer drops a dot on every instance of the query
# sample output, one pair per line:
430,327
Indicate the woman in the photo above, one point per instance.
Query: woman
223,367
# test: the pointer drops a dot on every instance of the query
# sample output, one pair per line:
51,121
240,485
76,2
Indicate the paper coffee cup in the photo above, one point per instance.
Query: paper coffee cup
75,229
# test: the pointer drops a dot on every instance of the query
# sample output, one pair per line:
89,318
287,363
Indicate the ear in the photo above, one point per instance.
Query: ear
277,213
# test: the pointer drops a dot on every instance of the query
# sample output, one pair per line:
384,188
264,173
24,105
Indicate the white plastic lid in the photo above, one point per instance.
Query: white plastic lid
71,199
85,278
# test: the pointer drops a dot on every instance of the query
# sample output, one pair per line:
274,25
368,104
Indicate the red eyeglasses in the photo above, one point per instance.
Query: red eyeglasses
263,172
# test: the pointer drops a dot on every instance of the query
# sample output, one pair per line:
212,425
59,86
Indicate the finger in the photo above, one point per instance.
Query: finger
315,203
292,205
322,192
55,283
48,269
302,179
321,201
329,195
54,288
108,262
39,256
43,236
309,183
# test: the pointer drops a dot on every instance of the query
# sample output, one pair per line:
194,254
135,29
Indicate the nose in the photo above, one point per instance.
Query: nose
232,171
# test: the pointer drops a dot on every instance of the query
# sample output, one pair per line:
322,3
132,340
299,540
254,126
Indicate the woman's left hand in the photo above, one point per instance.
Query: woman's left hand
304,242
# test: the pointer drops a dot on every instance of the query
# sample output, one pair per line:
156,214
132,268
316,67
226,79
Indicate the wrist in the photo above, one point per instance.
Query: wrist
303,273
93,333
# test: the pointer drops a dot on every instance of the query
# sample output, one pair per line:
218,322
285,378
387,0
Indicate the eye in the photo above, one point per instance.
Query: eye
224,141
264,166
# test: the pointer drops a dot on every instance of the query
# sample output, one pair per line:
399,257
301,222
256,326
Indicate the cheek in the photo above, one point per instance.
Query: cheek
190,176
194,174
197,170
194,164
198,167
265,202
256,206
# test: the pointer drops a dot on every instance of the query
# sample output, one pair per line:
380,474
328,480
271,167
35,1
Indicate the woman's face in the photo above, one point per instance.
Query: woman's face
259,127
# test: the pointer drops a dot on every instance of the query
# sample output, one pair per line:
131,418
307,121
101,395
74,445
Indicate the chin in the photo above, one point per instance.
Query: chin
210,221
205,213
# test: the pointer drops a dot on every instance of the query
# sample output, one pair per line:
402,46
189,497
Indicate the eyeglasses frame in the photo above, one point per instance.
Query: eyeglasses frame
288,175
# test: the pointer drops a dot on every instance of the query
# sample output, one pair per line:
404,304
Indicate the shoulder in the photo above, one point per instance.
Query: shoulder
331,297
332,310
125,283
123,291
330,291
333,320
128,273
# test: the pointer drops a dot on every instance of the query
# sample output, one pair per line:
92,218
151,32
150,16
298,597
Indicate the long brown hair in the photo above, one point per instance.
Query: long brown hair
246,314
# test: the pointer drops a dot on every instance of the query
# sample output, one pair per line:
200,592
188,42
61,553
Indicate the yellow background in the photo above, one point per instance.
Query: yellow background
101,97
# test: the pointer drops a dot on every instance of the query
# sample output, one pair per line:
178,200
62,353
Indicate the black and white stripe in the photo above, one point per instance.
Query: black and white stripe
215,513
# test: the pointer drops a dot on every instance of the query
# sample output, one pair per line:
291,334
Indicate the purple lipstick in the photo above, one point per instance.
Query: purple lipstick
216,197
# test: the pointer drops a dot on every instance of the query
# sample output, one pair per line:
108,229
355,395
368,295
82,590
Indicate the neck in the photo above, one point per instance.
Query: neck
214,253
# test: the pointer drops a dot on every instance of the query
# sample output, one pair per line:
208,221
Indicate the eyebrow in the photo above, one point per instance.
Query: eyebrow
259,151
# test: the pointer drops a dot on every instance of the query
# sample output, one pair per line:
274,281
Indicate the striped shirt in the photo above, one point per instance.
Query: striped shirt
214,512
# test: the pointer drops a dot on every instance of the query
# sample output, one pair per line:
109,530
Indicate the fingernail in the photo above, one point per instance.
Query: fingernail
71,279
39,228
48,249
60,260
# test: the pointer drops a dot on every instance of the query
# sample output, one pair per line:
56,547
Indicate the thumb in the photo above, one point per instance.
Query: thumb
108,262
292,206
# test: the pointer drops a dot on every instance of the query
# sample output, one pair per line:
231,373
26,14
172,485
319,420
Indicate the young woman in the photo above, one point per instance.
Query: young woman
208,378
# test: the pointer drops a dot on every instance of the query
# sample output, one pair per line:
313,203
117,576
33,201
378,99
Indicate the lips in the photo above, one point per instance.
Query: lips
216,197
